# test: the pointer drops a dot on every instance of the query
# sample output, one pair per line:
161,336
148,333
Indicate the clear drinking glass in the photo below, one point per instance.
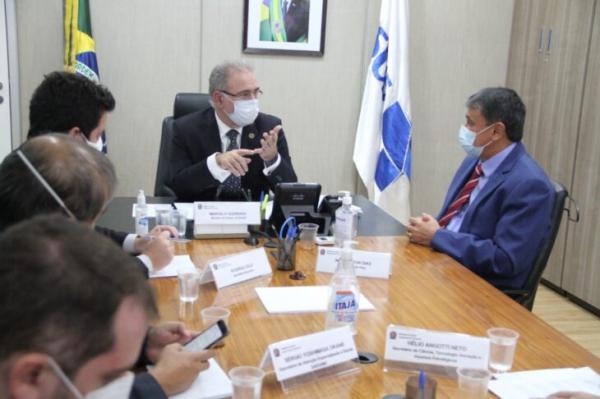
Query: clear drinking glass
246,381
213,314
503,343
473,383
189,286
308,232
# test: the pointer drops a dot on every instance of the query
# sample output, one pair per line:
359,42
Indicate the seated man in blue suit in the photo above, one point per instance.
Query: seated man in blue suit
497,212
230,151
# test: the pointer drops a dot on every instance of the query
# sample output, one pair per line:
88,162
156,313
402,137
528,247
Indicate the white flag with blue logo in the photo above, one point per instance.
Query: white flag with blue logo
383,136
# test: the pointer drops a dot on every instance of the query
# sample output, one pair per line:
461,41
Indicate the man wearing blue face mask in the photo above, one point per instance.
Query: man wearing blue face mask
497,211
230,151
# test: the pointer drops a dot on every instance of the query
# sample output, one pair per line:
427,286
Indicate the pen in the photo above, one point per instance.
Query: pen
265,200
173,206
421,391
262,196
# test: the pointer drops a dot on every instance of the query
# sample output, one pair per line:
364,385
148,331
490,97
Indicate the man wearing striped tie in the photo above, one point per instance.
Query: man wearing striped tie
497,211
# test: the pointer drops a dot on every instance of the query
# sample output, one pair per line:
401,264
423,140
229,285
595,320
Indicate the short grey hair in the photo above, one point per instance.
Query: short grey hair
220,74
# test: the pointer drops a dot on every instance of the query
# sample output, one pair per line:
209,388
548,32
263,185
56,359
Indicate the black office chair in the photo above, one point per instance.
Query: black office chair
185,103
526,295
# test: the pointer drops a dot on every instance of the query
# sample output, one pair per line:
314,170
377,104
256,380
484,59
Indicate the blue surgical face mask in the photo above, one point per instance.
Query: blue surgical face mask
244,112
466,138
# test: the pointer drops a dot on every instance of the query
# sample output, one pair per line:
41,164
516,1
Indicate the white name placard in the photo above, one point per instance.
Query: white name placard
301,355
239,267
243,213
366,263
436,348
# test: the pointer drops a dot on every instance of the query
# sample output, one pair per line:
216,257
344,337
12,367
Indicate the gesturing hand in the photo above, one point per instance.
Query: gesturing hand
235,161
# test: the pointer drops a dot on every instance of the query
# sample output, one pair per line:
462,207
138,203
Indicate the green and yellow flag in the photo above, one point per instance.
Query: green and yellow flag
80,48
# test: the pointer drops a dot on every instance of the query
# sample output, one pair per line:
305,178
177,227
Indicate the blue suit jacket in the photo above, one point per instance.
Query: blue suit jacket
506,224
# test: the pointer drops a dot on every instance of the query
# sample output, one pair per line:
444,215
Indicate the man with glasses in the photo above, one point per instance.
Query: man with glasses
230,151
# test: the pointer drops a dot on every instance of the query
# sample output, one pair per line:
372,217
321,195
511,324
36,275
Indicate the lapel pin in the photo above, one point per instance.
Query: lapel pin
251,135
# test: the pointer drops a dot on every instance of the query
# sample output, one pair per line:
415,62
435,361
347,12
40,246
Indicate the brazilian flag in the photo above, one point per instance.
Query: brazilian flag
80,48
272,25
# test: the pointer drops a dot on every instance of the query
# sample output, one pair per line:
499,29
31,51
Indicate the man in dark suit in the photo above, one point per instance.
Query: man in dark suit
497,211
78,107
230,151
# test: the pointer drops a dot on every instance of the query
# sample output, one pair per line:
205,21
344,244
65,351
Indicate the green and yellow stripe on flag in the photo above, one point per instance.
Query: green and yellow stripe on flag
80,48
272,24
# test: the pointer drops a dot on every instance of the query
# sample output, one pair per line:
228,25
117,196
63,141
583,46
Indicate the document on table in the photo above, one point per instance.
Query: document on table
304,299
180,263
212,383
541,383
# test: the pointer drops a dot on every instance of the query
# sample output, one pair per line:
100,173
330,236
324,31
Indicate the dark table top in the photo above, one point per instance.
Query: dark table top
373,222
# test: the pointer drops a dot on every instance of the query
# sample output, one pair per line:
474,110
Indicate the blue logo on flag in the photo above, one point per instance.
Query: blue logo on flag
394,157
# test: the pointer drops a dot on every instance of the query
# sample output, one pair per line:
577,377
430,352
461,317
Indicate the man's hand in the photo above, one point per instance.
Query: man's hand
268,142
420,230
164,334
160,250
235,161
140,243
177,369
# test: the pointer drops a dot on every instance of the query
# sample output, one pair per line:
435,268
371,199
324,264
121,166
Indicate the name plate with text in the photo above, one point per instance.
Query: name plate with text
226,213
366,263
442,350
239,267
298,356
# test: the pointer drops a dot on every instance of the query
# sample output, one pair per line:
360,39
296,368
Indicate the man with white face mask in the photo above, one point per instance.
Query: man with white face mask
497,211
230,151
72,325
74,105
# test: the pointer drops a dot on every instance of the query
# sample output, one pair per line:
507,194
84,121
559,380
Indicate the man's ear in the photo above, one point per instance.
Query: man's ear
75,132
500,128
30,377
217,98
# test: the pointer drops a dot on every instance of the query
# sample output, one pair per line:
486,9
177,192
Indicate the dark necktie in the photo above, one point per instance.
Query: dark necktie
463,196
232,184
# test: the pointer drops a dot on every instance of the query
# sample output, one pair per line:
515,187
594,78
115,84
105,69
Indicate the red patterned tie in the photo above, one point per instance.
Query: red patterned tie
463,196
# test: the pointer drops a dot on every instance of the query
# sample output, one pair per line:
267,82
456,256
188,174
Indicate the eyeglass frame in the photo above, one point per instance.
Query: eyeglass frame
245,94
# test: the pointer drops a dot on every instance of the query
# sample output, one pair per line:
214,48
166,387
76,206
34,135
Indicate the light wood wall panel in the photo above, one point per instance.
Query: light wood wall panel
582,260
551,84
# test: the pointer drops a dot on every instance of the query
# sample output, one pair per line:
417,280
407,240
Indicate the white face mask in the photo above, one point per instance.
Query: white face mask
466,138
116,389
98,145
244,112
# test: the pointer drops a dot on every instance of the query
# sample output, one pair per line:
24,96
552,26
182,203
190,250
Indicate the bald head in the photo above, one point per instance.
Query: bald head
82,177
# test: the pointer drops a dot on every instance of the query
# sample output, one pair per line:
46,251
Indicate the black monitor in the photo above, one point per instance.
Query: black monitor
296,197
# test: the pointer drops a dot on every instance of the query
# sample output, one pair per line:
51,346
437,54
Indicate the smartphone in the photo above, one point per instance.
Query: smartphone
208,337
325,240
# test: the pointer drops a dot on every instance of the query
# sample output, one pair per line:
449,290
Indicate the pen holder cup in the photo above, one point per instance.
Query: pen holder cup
286,254
412,388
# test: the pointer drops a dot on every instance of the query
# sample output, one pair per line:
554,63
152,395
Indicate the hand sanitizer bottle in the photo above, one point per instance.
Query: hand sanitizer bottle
344,221
345,293
141,214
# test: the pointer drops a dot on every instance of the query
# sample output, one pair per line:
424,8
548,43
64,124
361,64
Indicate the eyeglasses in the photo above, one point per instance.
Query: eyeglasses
246,94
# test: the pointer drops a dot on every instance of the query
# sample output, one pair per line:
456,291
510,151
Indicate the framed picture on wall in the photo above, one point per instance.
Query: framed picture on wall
285,27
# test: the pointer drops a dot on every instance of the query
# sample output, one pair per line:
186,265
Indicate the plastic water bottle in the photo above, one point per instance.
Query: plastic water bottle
141,214
342,309
344,222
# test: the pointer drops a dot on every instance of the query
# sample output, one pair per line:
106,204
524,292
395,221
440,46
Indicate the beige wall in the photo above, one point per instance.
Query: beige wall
148,50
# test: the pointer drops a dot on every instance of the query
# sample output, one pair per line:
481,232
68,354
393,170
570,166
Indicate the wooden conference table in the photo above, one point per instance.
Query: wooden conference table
426,290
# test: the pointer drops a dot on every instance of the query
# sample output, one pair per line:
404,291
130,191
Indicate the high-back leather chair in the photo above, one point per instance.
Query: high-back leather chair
185,103
526,295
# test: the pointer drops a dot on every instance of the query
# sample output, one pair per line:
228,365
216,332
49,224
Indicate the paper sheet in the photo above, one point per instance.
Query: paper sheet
179,263
212,383
541,383
303,299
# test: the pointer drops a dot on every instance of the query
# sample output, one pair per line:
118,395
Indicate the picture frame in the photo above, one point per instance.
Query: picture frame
293,27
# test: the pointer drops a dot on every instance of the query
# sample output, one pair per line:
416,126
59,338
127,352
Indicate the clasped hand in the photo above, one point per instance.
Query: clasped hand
236,161
420,229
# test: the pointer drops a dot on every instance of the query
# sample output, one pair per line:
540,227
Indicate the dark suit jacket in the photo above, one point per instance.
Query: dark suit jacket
505,226
196,137
145,386
118,237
